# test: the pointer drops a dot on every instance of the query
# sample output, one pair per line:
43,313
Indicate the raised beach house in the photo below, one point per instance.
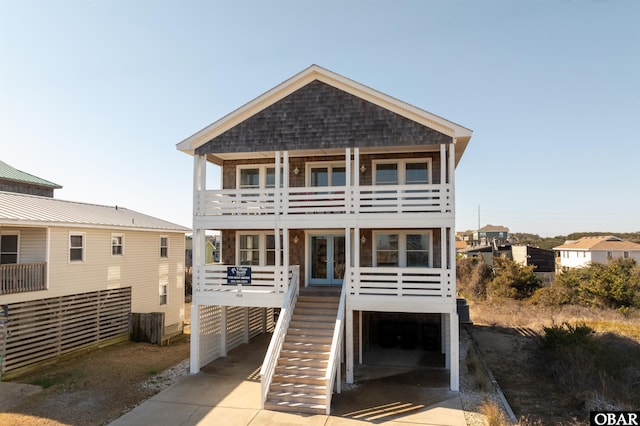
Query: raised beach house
337,208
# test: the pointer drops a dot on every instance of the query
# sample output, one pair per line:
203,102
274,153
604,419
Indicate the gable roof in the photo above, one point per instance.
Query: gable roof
32,210
10,173
493,228
316,73
601,243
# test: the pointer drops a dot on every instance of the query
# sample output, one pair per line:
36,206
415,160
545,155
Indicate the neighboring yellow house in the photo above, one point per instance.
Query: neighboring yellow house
71,273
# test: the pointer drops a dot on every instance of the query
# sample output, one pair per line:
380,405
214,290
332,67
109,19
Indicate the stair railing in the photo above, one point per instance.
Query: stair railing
279,333
332,375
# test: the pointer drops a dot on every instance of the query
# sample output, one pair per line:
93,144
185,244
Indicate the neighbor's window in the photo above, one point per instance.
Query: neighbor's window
8,249
164,246
117,244
163,294
249,250
609,254
625,254
76,247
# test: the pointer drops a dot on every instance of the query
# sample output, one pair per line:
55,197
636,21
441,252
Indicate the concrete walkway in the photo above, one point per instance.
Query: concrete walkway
227,392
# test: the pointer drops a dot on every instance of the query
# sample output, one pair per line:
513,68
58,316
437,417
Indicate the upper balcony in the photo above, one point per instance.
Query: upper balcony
231,206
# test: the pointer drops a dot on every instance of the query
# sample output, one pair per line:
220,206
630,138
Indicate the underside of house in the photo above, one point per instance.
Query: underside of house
336,213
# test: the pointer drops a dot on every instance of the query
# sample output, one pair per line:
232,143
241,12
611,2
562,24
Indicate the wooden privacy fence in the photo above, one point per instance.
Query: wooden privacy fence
147,328
41,330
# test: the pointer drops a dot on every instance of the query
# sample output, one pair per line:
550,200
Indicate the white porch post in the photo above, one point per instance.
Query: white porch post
285,260
198,244
223,331
194,347
443,164
349,342
454,356
246,325
277,192
348,311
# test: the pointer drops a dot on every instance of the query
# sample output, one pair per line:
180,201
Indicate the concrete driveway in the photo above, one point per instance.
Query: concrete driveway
227,392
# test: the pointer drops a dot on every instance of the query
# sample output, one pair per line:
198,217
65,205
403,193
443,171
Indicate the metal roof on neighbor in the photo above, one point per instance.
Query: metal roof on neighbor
10,173
31,210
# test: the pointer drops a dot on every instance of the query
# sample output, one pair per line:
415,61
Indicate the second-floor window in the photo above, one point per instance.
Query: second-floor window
117,244
323,174
258,176
402,172
76,247
164,246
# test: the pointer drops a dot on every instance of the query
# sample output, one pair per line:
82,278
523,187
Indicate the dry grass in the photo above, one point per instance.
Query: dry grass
493,414
510,313
474,367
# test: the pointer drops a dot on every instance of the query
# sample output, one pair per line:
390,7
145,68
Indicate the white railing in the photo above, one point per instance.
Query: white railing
332,375
331,199
22,277
334,199
279,333
391,281
240,201
264,279
402,199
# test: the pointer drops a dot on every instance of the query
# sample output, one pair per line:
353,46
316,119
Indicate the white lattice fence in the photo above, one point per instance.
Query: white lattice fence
260,320
210,328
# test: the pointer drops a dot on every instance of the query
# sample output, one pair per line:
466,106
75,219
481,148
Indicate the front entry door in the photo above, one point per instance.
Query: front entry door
327,259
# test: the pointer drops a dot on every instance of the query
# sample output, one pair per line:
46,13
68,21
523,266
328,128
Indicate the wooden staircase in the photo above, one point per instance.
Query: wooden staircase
299,383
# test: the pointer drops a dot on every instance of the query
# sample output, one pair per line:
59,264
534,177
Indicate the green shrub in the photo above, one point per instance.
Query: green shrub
512,280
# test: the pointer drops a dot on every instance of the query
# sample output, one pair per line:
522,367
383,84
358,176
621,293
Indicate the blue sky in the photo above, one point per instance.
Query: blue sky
94,95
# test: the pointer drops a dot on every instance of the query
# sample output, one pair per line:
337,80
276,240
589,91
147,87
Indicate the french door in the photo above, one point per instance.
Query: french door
327,261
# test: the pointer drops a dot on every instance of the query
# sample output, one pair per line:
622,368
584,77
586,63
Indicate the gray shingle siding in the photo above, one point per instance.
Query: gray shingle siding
321,116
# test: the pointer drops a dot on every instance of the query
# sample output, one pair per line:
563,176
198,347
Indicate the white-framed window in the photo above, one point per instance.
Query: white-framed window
164,246
406,248
326,174
117,244
410,171
163,294
609,254
77,243
9,247
257,249
257,176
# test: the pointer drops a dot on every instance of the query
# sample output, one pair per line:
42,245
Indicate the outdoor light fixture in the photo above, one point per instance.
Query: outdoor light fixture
296,239
363,169
296,171
363,239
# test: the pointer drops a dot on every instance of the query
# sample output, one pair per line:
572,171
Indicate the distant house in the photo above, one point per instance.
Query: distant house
71,273
490,234
578,253
14,180
542,259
